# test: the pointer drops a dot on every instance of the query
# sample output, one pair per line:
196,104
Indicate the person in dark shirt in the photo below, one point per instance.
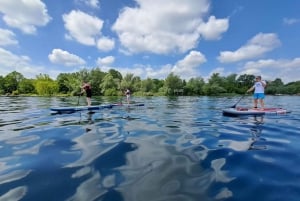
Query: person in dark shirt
86,87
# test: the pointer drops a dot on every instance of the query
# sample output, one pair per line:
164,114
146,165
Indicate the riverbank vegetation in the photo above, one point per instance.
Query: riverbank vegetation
112,83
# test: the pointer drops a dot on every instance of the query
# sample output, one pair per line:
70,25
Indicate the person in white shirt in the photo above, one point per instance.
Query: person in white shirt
259,91
127,93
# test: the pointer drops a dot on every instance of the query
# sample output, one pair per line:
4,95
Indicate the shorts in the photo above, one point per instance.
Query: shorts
258,95
88,93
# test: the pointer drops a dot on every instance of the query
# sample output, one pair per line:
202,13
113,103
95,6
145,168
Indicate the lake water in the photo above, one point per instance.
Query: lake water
177,149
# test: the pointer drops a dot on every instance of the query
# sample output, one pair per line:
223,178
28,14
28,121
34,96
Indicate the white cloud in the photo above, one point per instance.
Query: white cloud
90,3
291,21
213,28
65,58
106,61
188,67
255,47
10,62
166,26
82,27
24,15
7,37
105,44
159,73
287,70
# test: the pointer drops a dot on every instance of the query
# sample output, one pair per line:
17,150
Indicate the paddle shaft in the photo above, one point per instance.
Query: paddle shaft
238,101
78,99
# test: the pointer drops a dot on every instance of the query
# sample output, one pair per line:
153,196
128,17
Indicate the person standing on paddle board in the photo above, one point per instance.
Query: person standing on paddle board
259,91
86,87
127,93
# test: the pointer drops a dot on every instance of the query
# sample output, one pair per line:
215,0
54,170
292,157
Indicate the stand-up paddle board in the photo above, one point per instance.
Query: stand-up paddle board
91,108
253,111
80,108
128,105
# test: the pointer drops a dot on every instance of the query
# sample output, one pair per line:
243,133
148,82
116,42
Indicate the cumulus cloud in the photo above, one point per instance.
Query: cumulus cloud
10,62
213,29
8,59
24,15
166,26
160,72
188,67
287,70
7,37
105,44
255,47
65,58
106,61
82,27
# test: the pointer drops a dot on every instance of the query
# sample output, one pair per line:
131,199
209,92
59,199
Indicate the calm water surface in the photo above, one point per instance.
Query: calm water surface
177,149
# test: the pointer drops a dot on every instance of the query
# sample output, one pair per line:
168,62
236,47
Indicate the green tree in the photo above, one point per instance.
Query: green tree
127,81
244,82
109,87
11,81
215,85
157,84
96,77
292,88
2,89
172,83
63,81
147,85
195,86
116,74
136,83
230,83
45,86
275,87
26,86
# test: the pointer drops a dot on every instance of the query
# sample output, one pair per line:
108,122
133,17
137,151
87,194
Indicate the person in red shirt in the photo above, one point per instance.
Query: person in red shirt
86,87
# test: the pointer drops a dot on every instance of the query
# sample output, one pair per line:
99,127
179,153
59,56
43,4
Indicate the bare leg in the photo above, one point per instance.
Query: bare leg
128,99
262,104
255,103
88,100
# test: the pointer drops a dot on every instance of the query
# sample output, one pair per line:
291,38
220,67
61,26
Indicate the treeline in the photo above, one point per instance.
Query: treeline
112,83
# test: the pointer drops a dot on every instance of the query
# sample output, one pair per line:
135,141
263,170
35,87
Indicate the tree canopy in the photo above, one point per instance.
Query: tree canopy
112,83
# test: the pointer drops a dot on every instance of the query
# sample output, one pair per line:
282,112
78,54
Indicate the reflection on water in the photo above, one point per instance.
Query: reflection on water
178,148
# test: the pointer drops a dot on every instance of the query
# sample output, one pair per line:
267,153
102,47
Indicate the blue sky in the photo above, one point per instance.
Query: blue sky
190,38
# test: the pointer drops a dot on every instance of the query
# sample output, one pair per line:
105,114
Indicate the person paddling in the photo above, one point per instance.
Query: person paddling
259,92
86,87
127,93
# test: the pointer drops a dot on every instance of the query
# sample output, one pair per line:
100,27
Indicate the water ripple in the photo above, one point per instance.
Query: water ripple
178,148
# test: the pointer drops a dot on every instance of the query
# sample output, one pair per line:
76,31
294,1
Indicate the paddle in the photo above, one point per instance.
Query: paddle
78,99
238,101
